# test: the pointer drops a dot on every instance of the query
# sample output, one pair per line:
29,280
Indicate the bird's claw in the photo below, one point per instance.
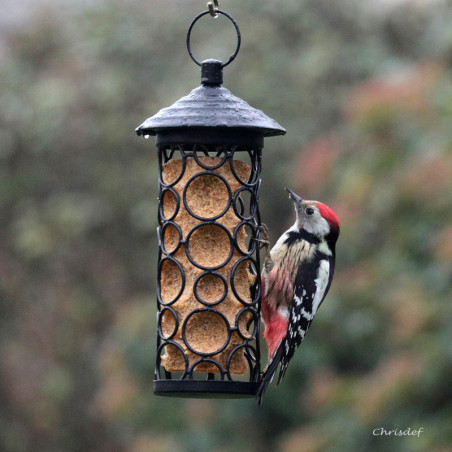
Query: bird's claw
263,237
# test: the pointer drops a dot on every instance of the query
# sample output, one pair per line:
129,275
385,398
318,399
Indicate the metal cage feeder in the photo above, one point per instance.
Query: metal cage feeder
208,282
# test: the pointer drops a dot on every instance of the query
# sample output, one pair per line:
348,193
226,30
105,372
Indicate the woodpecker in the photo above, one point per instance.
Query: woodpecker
296,277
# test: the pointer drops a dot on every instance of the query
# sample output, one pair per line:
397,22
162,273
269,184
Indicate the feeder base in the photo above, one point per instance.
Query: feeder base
202,389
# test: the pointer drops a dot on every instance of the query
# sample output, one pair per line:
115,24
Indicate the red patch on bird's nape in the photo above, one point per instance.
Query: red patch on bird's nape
329,216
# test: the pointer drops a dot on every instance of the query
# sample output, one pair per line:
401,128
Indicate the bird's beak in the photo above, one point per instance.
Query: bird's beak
294,196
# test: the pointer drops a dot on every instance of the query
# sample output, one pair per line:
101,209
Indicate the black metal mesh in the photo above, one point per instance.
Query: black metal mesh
244,203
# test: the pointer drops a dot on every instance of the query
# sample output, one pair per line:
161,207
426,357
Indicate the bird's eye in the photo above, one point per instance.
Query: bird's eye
310,211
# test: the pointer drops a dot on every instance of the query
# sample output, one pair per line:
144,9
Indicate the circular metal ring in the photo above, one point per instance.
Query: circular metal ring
253,179
192,369
253,270
221,278
159,357
239,37
240,210
176,322
249,357
187,246
203,174
187,342
159,276
161,236
252,241
172,183
161,204
206,151
254,320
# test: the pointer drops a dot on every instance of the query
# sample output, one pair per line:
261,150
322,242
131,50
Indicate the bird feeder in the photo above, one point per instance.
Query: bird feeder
208,283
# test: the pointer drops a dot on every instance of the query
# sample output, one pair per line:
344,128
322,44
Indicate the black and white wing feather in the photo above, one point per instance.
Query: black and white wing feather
308,295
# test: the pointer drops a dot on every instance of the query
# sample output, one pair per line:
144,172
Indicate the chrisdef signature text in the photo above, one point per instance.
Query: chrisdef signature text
380,431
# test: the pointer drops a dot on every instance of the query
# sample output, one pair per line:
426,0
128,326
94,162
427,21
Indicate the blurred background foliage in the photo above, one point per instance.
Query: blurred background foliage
364,90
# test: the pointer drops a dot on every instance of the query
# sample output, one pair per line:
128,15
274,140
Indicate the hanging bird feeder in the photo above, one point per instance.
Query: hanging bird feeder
208,284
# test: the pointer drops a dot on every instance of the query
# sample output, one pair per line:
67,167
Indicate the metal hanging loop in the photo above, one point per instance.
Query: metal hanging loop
237,29
213,8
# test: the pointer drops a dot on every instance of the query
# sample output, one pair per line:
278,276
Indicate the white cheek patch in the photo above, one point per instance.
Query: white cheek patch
317,225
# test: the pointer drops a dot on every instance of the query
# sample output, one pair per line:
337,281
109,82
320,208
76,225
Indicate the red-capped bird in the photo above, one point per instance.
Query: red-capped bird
296,278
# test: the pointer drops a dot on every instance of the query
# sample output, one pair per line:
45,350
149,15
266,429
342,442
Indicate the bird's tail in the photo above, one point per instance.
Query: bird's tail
268,374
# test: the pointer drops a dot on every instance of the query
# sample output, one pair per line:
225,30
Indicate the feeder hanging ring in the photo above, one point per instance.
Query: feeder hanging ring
217,11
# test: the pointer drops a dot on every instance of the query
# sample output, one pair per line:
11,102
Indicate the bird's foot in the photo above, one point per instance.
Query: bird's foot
263,236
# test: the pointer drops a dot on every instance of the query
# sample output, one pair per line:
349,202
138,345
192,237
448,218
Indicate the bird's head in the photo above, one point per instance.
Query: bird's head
315,217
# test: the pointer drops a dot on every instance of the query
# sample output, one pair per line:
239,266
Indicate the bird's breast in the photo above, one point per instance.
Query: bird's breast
294,253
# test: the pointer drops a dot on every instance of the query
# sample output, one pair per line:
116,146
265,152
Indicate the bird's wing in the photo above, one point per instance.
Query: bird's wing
308,294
